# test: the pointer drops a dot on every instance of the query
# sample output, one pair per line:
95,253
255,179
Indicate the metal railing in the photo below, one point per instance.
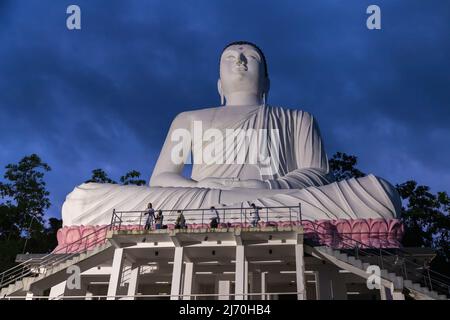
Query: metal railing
227,217
38,266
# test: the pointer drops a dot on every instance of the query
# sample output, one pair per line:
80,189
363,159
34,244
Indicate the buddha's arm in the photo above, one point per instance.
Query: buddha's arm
311,159
173,156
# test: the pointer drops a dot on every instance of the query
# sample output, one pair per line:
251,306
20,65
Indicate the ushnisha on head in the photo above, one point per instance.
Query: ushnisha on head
244,78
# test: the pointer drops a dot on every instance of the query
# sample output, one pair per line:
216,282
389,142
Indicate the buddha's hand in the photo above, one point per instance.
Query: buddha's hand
215,183
251,184
230,183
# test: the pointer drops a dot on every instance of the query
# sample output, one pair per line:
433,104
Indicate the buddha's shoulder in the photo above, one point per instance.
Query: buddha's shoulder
292,112
197,114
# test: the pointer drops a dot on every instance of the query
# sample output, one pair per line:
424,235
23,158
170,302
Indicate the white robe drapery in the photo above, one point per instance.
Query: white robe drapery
299,175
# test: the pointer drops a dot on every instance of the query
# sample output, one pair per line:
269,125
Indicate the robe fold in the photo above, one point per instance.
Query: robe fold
290,157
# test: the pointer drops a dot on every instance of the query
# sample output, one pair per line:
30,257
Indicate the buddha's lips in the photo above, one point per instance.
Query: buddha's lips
240,68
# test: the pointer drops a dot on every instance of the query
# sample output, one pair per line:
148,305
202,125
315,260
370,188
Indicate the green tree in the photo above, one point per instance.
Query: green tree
132,177
24,202
427,221
25,190
343,166
100,176
426,216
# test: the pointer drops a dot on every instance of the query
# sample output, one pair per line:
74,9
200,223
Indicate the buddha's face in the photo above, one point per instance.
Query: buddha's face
242,70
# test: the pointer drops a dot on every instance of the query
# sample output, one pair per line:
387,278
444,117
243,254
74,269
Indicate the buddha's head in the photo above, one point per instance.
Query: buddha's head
243,72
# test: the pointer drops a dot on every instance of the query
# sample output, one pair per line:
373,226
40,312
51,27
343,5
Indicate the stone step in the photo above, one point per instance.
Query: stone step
392,276
407,283
351,260
21,283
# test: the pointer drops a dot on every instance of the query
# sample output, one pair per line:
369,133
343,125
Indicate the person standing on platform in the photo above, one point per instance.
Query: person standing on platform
159,220
256,217
180,223
215,218
151,216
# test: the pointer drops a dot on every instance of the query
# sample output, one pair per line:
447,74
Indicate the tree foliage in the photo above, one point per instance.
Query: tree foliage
100,176
427,221
24,202
426,216
25,189
132,177
343,167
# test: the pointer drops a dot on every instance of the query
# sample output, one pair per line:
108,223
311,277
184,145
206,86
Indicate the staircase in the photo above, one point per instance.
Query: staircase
388,279
52,269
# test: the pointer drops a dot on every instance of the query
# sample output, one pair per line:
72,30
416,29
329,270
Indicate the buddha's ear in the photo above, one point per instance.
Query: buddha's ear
219,89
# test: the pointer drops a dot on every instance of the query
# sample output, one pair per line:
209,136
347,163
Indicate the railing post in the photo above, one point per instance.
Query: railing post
203,216
429,278
381,258
113,219
267,215
300,211
405,271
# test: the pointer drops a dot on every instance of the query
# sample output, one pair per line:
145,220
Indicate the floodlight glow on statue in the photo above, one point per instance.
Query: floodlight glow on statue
297,173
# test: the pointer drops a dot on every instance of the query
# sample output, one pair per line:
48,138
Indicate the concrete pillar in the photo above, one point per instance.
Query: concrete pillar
188,279
177,274
398,295
246,280
300,271
389,294
264,286
116,273
133,283
316,279
331,284
224,290
255,284
57,291
397,289
240,274
385,293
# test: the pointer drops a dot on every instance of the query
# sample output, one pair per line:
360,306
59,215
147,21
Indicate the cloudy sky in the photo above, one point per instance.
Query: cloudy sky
104,96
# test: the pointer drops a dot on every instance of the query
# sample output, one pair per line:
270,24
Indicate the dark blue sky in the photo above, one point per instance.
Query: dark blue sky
103,97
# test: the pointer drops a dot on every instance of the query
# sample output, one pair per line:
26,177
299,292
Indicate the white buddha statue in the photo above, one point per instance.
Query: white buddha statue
243,152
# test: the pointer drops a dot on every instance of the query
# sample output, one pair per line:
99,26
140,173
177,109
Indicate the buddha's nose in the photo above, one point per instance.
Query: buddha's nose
241,59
